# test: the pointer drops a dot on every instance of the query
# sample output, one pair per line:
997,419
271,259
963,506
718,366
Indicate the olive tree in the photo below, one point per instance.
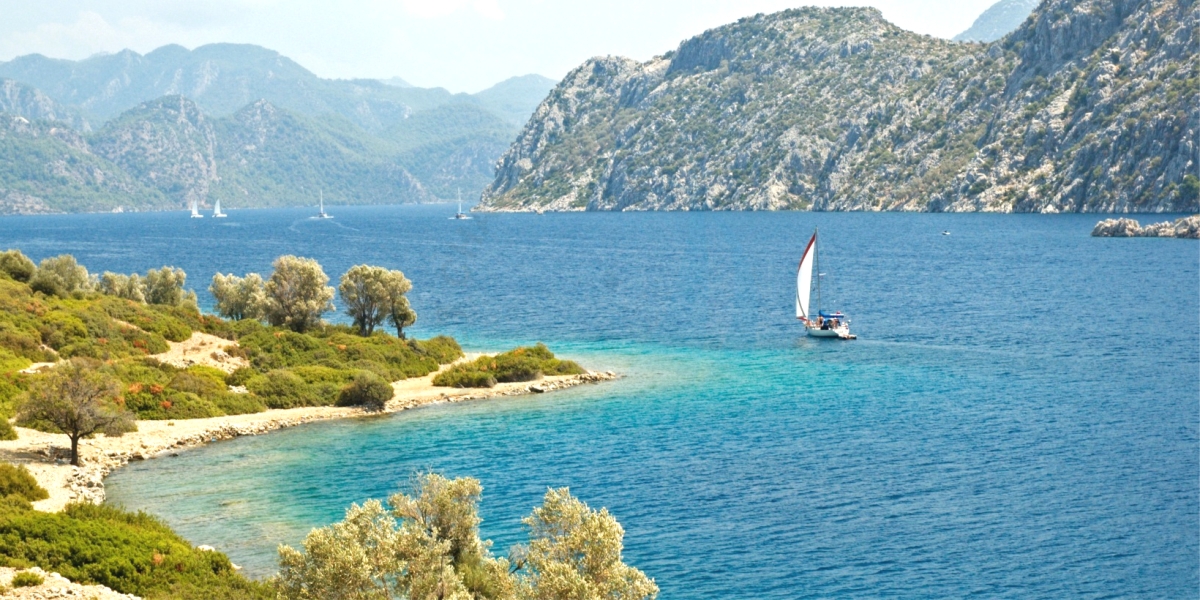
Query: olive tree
60,276
375,294
239,297
399,313
165,286
77,400
129,287
16,265
364,292
296,294
427,546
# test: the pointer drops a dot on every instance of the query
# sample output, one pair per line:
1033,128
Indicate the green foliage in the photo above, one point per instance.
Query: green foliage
427,546
133,553
60,276
296,294
16,266
78,400
284,389
239,297
17,481
373,294
6,430
367,390
27,579
520,364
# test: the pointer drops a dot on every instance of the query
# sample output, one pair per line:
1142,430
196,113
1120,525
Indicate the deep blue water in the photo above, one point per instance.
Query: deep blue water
1019,418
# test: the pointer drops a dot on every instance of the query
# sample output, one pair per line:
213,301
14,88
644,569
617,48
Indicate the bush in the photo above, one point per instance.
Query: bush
27,579
283,389
520,364
133,553
367,390
240,376
6,430
17,481
16,266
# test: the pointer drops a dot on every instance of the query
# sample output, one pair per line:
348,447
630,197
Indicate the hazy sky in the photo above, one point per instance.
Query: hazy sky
463,45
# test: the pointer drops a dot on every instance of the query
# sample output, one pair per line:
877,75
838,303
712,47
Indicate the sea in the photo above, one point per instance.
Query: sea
1018,418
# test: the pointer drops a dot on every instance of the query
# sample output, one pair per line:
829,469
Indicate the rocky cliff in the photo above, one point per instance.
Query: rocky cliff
1089,106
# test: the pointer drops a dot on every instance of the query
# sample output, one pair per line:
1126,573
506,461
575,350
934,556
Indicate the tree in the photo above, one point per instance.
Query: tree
239,297
77,400
296,294
129,287
575,552
399,313
427,546
60,276
364,292
165,286
16,265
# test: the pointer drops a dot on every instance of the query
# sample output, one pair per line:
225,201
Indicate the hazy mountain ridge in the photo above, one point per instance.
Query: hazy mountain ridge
999,20
836,109
178,123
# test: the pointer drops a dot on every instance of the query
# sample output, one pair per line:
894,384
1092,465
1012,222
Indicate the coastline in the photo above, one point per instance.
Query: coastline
46,455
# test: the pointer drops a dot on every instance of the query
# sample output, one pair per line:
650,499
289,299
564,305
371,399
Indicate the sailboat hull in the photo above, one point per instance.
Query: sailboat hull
841,333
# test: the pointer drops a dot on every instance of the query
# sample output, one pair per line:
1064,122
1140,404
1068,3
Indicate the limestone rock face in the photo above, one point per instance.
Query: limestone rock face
1090,106
1187,227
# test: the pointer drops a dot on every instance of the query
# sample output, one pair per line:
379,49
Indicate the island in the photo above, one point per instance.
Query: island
1186,227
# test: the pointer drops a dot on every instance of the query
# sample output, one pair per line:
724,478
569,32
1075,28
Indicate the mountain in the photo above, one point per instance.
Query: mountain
246,124
1088,106
48,167
516,98
999,20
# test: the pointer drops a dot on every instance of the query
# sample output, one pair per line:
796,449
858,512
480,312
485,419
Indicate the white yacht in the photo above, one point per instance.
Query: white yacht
196,210
826,324
217,214
322,214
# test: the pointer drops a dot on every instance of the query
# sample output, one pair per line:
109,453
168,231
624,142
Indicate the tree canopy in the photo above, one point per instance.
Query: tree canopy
296,294
79,401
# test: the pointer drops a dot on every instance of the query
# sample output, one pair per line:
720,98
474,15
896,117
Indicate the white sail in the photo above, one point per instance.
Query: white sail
804,278
217,209
196,210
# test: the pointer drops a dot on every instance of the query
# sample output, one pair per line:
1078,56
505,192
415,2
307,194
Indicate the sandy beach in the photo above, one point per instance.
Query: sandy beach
47,455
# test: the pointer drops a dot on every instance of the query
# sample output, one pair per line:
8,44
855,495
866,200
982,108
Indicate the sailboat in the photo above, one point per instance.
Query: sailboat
825,325
322,214
460,215
217,214
196,210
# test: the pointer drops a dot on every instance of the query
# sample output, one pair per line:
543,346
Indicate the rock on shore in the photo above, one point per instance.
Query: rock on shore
55,586
1187,227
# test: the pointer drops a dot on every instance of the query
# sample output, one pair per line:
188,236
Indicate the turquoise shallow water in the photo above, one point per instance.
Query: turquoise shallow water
1018,419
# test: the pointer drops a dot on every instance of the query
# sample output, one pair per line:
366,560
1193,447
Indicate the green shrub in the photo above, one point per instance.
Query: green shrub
520,364
16,266
367,390
27,579
239,404
283,389
133,553
240,376
6,430
17,481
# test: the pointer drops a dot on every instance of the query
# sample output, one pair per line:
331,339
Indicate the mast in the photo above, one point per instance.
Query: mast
817,264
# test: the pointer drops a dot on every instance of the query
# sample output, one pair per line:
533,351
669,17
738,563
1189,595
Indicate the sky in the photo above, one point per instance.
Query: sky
461,45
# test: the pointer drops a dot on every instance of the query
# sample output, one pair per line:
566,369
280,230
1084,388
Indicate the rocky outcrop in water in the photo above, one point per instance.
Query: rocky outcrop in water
1187,227
1091,106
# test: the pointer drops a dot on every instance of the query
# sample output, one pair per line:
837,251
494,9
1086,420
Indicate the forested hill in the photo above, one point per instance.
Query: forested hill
242,124
1091,105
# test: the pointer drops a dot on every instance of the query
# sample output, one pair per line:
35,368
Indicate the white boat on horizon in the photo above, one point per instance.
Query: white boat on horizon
460,215
321,214
217,214
825,325
196,210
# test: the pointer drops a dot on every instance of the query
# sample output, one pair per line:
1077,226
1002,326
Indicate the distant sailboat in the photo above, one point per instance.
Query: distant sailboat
828,325
460,215
322,214
217,214
196,210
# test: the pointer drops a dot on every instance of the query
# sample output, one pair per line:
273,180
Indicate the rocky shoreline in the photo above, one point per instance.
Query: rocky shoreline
46,455
1187,227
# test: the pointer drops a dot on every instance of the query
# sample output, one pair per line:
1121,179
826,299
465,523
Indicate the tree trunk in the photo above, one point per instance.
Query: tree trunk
400,332
75,450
